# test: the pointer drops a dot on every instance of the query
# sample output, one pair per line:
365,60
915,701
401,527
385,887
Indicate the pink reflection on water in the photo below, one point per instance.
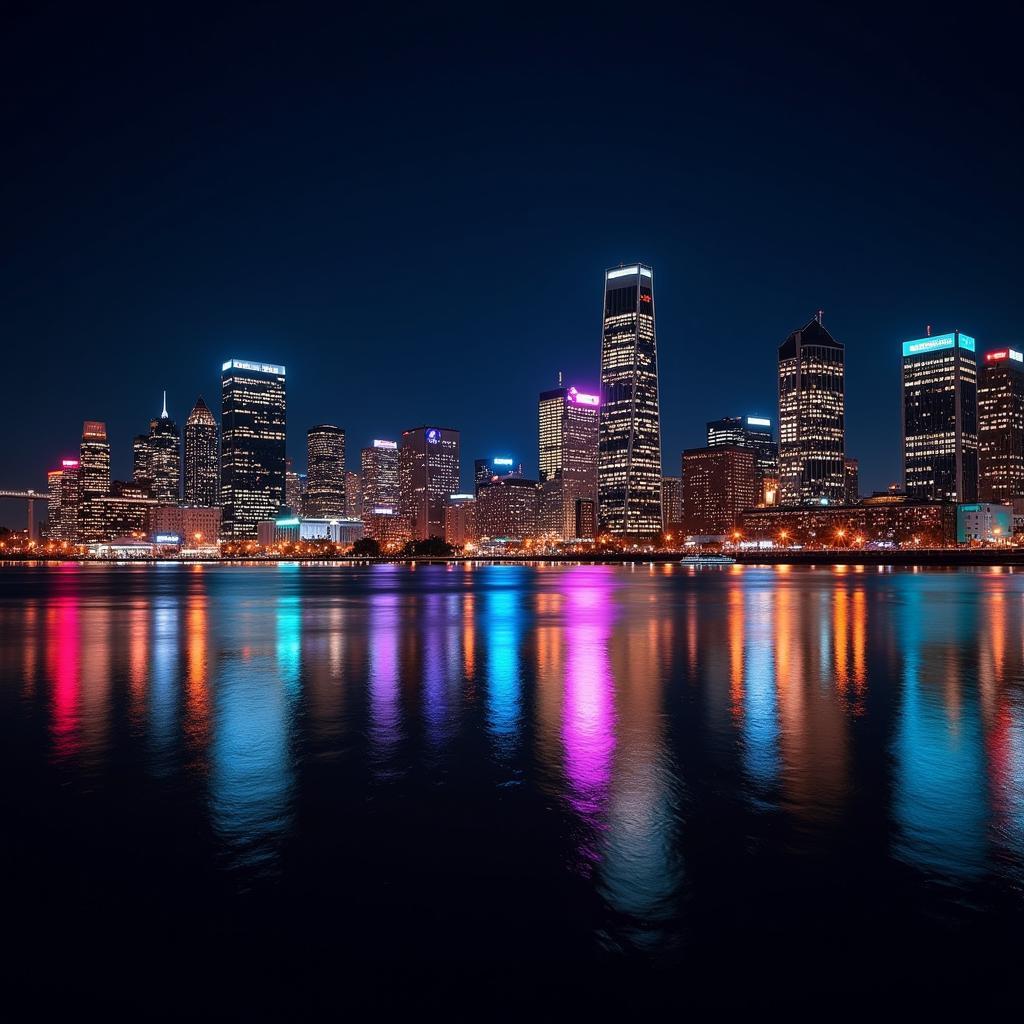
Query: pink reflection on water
63,656
588,722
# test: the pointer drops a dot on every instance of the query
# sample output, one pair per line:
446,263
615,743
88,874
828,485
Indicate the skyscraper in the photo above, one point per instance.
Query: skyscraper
812,422
70,499
1001,426
294,489
379,468
852,470
753,432
253,445
629,452
325,472
202,457
157,459
567,455
940,418
428,463
485,470
672,503
94,480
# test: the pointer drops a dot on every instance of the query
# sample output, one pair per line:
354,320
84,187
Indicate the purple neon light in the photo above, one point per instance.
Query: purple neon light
581,399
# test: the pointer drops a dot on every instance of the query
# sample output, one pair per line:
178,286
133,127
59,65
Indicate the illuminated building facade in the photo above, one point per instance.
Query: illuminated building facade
390,529
53,479
486,470
1001,426
125,511
353,494
460,520
379,468
885,520
812,423
984,522
157,459
940,418
290,529
62,507
672,503
94,480
194,525
629,443
753,432
253,421
428,470
718,484
325,472
568,428
202,457
851,470
294,489
507,508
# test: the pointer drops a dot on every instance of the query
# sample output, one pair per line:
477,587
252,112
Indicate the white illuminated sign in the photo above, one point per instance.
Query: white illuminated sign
244,364
756,421
385,444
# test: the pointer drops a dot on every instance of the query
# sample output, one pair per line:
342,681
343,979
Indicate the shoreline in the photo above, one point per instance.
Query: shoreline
929,558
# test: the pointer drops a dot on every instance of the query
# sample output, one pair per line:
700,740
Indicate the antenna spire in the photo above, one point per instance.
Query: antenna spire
163,415
820,315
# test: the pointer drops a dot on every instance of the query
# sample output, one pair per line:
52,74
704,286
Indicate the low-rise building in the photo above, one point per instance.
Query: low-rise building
984,523
507,507
389,528
194,524
882,519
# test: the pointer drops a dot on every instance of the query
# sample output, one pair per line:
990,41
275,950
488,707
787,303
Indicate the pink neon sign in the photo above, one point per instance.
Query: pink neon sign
581,399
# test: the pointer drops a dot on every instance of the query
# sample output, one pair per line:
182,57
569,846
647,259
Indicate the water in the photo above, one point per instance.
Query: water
718,785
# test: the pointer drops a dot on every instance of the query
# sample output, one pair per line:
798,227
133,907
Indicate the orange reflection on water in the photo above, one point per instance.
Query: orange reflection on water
197,696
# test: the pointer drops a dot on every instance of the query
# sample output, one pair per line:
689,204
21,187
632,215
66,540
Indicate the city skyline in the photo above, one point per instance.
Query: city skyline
152,272
151,450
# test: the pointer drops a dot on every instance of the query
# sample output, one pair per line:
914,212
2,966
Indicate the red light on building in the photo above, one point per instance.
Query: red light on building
645,298
991,357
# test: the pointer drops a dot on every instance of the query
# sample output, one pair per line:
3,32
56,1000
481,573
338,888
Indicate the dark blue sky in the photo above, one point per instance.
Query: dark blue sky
413,212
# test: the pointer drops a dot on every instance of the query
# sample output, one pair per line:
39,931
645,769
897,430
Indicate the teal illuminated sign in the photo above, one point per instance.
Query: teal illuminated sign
922,346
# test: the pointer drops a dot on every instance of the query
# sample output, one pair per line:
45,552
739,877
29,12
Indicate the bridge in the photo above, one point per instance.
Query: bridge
31,497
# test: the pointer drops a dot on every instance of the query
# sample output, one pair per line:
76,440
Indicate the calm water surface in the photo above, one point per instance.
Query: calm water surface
731,784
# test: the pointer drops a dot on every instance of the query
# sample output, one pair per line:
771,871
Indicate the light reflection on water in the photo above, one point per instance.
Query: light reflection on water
652,720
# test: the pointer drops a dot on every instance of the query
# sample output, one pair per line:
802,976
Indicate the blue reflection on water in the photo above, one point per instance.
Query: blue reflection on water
760,712
502,635
939,800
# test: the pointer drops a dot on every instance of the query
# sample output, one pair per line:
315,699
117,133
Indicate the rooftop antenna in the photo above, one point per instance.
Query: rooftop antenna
163,415
819,315
927,330
559,378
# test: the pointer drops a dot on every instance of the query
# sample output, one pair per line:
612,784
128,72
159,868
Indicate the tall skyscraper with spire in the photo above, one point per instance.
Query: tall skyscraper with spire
157,459
253,461
629,449
202,457
812,417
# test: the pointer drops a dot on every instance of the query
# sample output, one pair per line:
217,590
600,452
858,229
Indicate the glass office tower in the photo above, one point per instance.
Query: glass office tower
940,418
253,445
812,417
629,447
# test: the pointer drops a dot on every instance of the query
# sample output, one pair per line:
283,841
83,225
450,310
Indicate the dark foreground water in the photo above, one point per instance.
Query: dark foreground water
652,784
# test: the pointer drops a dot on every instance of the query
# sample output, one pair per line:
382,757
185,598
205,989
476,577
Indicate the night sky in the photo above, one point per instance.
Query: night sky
413,212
